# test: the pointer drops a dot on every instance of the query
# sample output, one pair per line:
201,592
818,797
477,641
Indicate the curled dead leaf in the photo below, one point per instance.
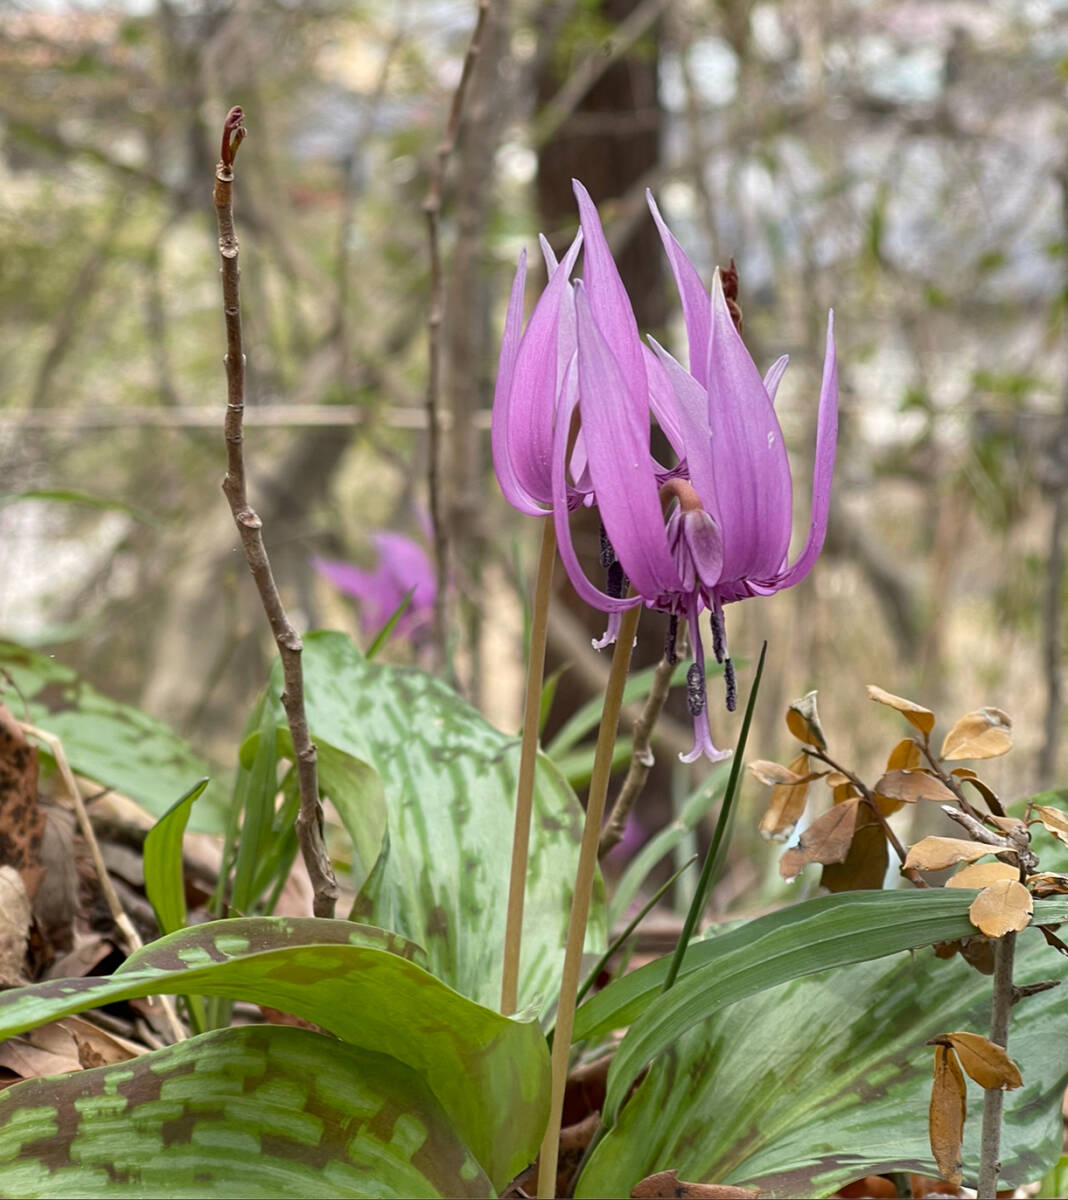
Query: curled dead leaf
919,717
981,875
835,779
910,786
1053,821
803,721
937,853
1002,907
985,733
668,1183
984,1061
1048,883
948,1108
786,805
774,774
826,840
1007,824
905,756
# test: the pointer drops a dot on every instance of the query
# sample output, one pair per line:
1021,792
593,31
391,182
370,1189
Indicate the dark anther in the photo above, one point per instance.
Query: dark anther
608,554
616,586
732,685
670,638
716,619
695,690
729,276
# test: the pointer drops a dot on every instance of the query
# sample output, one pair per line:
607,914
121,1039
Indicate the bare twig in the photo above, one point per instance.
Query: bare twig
994,1098
432,211
250,528
642,760
111,898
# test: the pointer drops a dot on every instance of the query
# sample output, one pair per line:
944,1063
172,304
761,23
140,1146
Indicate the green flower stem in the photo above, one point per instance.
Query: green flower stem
580,903
513,930
994,1098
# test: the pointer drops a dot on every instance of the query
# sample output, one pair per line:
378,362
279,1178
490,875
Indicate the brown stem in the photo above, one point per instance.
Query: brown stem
250,529
432,211
994,1098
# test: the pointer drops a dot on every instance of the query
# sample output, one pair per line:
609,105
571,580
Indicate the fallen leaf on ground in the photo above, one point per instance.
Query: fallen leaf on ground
668,1183
947,1112
786,805
919,717
985,733
826,840
574,1142
981,875
1054,821
803,721
984,1061
911,786
937,853
871,1187
1003,906
14,927
21,820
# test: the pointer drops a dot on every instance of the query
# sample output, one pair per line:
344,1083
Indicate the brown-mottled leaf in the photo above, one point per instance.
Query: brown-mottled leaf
916,715
948,1108
21,820
910,786
937,853
905,756
786,805
984,1061
773,774
826,840
1054,821
1003,906
985,733
864,866
981,875
803,721
1048,883
668,1183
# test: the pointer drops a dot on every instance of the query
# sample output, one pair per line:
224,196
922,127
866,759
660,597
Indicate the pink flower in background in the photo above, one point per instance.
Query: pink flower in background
403,565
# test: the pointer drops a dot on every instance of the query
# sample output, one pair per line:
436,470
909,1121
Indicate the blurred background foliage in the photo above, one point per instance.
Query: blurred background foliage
900,160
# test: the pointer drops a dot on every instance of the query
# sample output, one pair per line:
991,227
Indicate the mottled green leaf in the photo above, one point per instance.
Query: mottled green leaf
825,1079
258,1111
164,879
489,1073
114,744
449,781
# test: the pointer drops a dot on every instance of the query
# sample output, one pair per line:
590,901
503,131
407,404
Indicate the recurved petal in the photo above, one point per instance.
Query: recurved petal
753,489
696,311
774,376
823,472
621,468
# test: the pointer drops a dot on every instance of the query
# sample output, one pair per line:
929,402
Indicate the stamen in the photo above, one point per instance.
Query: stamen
695,690
732,685
718,641
617,582
670,639
608,554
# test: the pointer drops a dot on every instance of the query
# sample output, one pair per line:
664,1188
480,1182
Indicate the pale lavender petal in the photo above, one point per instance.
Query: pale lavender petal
409,566
753,488
611,633
662,401
823,472
695,306
548,254
617,445
774,376
704,544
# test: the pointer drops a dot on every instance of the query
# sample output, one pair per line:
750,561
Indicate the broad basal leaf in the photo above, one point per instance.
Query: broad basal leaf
823,1080
111,743
449,780
489,1073
260,1111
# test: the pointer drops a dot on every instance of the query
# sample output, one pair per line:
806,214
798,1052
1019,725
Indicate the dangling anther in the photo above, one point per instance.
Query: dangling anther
670,638
695,690
718,643
608,554
732,685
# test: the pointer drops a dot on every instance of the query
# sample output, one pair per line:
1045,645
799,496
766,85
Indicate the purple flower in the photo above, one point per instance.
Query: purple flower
403,565
728,534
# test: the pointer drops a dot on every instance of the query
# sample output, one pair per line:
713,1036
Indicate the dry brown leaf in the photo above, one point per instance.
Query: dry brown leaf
844,791
985,733
21,820
981,875
864,866
910,786
937,853
1048,883
948,1107
786,805
774,774
835,779
668,1183
826,840
803,721
1054,821
905,756
984,1061
919,717
1003,906
15,920
871,1187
